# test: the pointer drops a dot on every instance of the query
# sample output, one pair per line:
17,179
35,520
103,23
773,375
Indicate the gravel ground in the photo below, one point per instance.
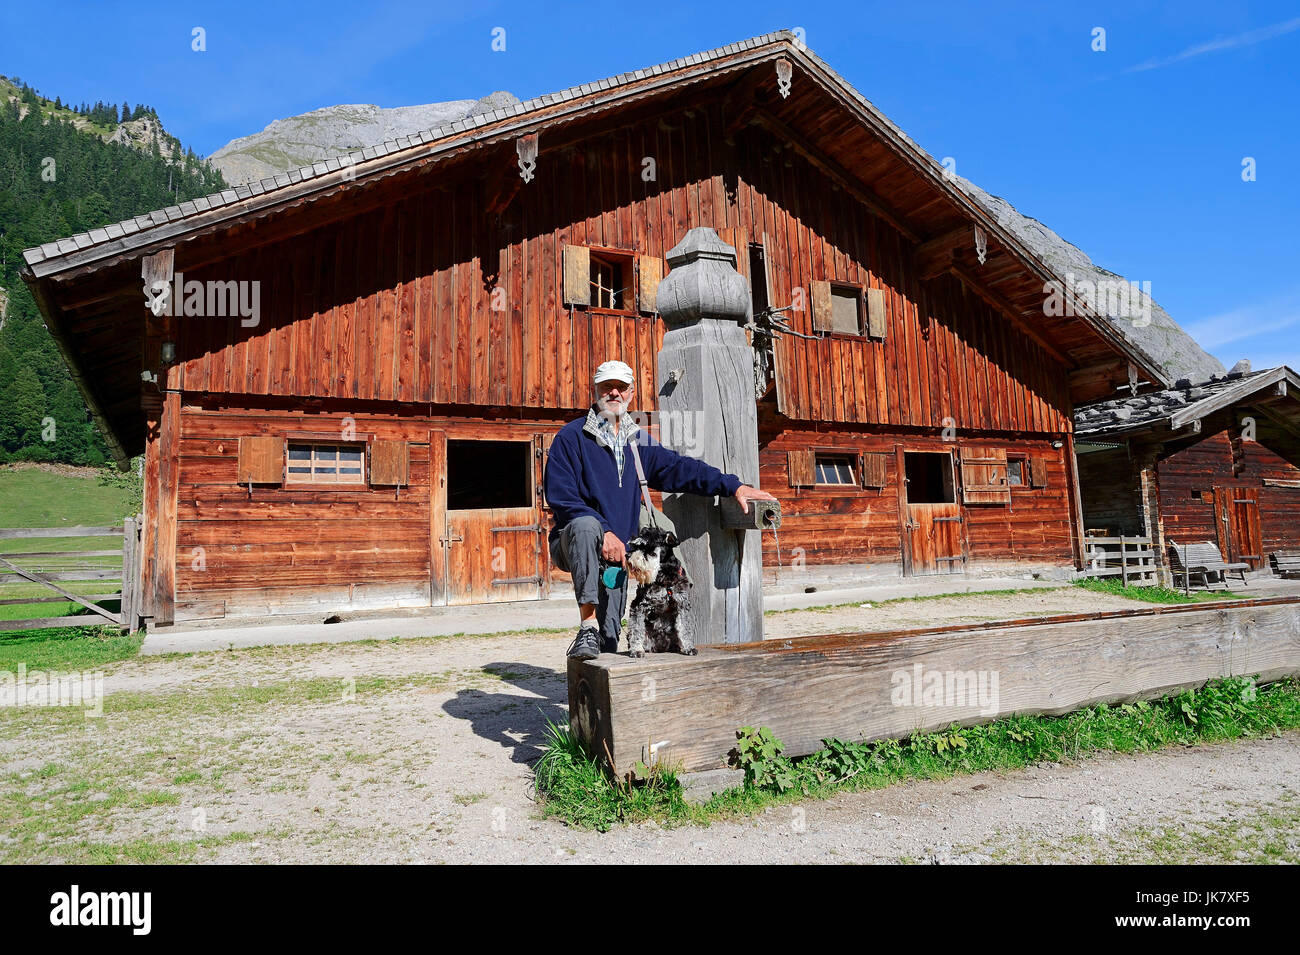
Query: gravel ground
303,754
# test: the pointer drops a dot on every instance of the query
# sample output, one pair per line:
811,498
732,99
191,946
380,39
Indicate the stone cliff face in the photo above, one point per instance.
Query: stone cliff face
1154,331
288,144
142,133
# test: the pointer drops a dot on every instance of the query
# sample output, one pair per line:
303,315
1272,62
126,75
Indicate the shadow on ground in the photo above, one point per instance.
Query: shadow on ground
516,722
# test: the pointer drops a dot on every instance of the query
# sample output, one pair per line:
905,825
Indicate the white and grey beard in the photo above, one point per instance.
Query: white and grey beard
611,409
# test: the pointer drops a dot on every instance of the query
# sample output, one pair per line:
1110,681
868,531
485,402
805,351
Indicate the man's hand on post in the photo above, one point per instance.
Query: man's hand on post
612,548
744,494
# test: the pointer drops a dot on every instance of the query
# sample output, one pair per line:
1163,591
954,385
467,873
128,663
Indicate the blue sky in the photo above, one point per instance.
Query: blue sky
1133,153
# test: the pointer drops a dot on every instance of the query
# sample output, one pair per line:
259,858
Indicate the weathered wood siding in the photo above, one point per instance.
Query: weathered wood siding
428,299
279,549
857,524
1187,473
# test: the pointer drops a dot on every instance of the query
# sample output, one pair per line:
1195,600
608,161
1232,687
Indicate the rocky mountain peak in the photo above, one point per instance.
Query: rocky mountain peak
287,144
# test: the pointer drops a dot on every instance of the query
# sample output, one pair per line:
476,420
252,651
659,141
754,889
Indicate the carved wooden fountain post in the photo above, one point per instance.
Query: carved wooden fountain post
707,410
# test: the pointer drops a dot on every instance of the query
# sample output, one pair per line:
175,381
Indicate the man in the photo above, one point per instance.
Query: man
591,485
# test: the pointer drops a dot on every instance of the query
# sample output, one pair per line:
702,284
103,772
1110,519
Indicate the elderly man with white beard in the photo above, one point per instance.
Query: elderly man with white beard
595,496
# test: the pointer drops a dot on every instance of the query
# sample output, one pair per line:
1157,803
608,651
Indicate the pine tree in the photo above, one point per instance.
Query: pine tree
98,182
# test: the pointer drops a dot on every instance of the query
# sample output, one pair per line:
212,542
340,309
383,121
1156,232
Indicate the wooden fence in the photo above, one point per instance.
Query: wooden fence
48,566
1132,559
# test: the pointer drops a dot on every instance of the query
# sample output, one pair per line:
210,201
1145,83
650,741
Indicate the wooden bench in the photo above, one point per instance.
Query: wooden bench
1203,560
1285,564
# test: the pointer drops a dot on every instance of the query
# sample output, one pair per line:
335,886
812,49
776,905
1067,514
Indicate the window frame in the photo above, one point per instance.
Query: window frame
624,260
949,479
860,295
843,457
316,479
1023,459
529,484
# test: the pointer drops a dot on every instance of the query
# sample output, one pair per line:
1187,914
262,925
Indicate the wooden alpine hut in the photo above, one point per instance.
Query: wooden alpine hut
1217,461
345,399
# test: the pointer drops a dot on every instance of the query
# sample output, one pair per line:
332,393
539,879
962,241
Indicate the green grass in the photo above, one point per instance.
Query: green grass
1155,595
66,648
575,788
30,497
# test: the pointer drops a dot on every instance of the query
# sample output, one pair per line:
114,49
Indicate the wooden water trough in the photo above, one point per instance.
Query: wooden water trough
863,686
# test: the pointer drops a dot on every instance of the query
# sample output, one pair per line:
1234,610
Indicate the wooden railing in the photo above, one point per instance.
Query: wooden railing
49,567
1132,559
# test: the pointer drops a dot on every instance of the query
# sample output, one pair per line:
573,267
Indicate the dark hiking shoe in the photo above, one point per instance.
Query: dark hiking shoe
609,644
586,645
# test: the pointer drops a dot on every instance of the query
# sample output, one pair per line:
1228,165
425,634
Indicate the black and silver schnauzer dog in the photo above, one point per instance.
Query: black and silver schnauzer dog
658,620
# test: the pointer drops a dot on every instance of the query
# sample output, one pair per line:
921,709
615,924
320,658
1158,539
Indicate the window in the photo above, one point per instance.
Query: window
929,477
326,464
846,309
489,474
835,469
609,281
1016,472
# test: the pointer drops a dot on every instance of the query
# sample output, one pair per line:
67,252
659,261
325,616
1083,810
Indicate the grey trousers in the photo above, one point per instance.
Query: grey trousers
577,551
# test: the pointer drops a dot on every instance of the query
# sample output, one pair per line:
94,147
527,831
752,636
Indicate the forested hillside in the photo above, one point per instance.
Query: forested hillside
65,170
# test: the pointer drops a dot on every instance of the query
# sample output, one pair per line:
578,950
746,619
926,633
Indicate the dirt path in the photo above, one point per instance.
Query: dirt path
420,751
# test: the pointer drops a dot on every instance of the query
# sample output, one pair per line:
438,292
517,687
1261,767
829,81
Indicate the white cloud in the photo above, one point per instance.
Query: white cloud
1249,38
1238,325
1266,332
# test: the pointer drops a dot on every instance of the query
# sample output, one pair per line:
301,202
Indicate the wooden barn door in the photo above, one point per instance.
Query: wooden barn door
931,515
1236,510
488,530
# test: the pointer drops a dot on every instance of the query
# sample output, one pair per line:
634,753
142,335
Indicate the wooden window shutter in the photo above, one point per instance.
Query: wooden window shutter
876,319
822,320
984,476
647,292
577,275
261,459
873,469
1038,472
389,462
803,467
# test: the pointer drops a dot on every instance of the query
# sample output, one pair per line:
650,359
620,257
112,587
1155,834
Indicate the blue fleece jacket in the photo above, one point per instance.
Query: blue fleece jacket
582,478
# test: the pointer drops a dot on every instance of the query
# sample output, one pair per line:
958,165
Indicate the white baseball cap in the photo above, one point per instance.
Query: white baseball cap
614,370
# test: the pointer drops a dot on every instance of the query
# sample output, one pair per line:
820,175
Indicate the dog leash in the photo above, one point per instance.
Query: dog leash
640,479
